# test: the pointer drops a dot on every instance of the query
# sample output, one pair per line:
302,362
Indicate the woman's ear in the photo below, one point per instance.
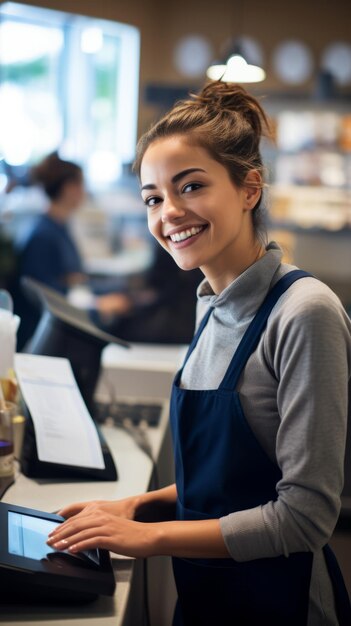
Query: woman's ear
252,186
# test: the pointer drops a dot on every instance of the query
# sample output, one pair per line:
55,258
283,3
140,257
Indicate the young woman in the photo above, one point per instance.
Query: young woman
259,409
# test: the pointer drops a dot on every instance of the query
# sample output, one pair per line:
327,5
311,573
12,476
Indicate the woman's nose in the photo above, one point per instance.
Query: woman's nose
172,209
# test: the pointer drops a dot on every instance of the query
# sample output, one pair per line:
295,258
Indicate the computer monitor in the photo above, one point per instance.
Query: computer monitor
66,331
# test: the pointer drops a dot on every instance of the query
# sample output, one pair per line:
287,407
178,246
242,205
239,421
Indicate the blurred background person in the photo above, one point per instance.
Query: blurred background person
50,255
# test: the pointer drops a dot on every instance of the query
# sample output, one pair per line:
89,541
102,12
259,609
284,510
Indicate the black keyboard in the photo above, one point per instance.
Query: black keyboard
135,412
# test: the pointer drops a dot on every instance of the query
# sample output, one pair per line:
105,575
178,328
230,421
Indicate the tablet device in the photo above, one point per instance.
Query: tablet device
32,571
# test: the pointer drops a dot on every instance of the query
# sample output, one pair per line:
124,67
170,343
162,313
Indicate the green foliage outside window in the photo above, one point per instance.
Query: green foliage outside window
16,72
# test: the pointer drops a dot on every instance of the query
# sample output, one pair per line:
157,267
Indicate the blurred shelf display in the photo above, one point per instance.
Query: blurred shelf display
309,171
310,167
305,207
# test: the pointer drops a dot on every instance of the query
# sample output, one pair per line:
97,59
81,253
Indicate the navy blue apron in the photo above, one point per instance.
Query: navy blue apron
221,468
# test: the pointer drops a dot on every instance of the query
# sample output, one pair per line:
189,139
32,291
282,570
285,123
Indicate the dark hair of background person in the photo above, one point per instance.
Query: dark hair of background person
52,173
229,123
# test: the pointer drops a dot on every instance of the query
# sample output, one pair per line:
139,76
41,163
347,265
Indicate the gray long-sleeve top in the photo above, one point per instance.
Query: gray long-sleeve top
294,393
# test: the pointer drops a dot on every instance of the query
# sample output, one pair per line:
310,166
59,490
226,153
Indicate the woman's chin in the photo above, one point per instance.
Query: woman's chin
185,264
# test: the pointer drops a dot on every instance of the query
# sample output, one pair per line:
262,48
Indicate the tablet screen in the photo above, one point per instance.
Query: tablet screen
27,536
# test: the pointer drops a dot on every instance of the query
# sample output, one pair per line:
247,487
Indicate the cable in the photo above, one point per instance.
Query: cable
139,433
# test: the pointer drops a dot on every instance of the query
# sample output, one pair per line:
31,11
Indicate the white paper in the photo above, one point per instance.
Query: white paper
65,432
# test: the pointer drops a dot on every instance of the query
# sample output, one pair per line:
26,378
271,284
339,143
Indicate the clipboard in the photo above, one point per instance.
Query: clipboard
32,467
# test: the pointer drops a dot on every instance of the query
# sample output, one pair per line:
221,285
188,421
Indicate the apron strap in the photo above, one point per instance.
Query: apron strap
252,335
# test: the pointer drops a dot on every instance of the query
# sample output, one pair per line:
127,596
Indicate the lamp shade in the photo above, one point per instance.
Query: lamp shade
241,63
236,70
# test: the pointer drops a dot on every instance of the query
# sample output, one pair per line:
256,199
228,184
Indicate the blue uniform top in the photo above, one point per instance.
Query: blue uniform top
48,254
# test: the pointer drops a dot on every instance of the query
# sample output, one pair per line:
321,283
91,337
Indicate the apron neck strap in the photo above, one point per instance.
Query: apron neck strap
252,335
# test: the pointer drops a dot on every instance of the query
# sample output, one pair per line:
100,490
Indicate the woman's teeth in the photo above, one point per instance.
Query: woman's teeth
185,234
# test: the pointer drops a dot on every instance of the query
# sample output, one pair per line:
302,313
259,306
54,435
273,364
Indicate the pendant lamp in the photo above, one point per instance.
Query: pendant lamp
236,69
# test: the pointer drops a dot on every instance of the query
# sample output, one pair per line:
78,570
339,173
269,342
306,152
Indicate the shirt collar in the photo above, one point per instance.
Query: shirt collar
243,296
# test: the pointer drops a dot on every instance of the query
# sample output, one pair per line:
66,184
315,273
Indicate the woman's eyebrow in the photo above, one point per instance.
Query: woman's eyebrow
177,177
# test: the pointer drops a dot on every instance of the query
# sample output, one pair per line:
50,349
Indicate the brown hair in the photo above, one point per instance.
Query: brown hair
225,120
52,173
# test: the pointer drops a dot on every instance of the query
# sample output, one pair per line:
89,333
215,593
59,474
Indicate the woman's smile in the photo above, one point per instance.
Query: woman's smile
185,236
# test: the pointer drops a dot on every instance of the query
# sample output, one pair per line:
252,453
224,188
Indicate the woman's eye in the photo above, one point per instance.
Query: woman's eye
191,187
151,201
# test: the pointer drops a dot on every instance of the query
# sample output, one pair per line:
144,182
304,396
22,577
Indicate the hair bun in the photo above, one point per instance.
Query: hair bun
231,98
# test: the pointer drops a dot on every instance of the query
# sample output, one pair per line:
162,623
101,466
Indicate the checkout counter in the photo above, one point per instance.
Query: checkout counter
135,471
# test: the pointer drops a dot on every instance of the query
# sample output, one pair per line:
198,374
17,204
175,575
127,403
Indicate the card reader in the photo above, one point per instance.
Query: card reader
31,571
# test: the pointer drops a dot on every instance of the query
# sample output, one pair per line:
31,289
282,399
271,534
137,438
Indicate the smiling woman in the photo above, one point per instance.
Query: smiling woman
223,119
222,127
259,408
196,211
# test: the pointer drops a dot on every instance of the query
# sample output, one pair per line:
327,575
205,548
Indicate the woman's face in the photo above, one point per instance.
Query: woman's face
196,212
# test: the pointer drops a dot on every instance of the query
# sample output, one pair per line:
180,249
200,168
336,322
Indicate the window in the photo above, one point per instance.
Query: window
68,82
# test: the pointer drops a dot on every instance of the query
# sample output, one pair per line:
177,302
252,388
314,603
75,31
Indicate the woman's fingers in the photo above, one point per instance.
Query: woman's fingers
103,531
79,536
83,527
72,509
122,508
91,510
74,524
91,544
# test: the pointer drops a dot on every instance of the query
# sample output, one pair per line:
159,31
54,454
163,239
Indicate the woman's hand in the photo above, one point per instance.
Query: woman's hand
122,508
96,527
113,304
152,506
111,524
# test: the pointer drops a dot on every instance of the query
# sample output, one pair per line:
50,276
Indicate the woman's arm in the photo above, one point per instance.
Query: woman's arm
95,528
113,526
308,347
